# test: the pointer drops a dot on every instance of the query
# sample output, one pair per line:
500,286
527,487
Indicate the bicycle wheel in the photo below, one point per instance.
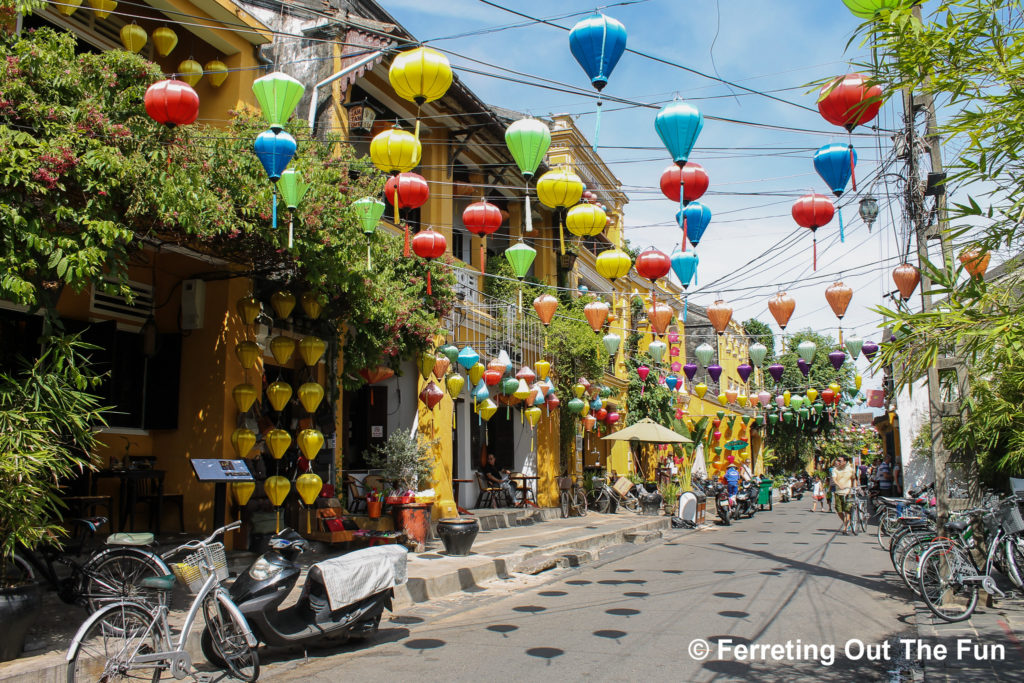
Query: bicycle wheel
105,651
940,579
580,502
563,500
885,522
630,502
227,646
114,575
862,517
898,545
602,502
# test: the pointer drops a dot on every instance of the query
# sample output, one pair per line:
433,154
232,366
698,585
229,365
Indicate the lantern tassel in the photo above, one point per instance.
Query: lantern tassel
842,233
685,304
815,252
561,235
273,215
483,254
405,252
597,126
853,173
291,221
429,289
682,205
369,266
529,212
840,335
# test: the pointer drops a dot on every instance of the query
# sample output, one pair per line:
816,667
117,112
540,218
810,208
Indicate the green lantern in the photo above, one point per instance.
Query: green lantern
759,420
369,211
520,256
720,414
788,417
868,9
773,419
528,141
731,421
611,345
704,352
278,95
451,352
293,189
576,406
509,386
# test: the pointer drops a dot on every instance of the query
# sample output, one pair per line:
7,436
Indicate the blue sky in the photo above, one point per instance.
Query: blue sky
778,46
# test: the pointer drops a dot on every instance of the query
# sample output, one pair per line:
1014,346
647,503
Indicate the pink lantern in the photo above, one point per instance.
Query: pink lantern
612,418
643,371
753,400
780,401
730,458
764,397
716,436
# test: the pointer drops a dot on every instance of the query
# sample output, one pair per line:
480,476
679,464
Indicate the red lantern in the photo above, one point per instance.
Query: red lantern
828,396
492,377
849,101
652,264
481,219
172,103
601,414
413,190
431,395
813,211
695,179
429,244
612,418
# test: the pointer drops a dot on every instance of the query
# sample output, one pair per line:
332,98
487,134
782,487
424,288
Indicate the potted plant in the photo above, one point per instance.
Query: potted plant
406,463
47,417
670,492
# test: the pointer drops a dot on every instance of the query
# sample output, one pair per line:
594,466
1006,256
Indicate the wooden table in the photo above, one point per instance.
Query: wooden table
455,494
129,482
527,491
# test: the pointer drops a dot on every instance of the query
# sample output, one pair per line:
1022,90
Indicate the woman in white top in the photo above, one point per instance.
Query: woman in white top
818,495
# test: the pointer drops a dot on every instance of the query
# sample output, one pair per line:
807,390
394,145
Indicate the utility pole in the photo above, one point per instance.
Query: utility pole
930,226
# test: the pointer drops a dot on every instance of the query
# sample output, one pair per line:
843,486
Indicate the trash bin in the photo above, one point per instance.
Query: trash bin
764,496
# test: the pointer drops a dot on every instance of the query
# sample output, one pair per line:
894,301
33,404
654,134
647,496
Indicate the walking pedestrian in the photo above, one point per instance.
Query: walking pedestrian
818,495
844,478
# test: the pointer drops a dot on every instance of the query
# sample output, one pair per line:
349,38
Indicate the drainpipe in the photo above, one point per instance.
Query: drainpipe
314,98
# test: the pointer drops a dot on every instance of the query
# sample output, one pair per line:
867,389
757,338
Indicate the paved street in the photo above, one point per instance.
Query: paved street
783,577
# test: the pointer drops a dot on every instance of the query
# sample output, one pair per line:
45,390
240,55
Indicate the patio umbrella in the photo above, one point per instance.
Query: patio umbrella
647,431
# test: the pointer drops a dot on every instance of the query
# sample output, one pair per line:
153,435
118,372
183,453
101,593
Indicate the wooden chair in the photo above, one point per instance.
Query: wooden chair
356,494
489,495
149,494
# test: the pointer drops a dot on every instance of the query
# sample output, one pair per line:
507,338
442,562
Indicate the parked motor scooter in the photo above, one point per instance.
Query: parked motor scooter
746,499
724,503
332,606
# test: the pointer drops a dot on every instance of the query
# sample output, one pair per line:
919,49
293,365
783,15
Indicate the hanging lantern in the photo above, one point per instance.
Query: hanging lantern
812,394
744,371
311,305
103,8
451,352
482,219
659,315
803,366
282,348
310,396
813,211
849,101
412,191
133,37
429,244
690,370
283,303
835,164
441,366
528,141
248,309
279,393
308,486
853,346
275,151
312,350
975,261
700,390
241,491
757,352
526,374
807,350
468,358
164,40
720,314
714,372
684,265
611,343
838,296
612,264
586,220
545,305
597,42
217,72
425,364
310,442
656,350
559,189
454,384
278,95
695,182
837,358
172,103
486,409
190,71
776,370
244,396
764,397
476,373
652,264
293,189
278,442
857,381
247,352
522,390
542,367
369,211
277,489
678,124
869,348
421,75
242,441
596,312
704,353
907,278
868,210
533,415
395,151
781,306
870,9
731,396
431,395
693,221
68,7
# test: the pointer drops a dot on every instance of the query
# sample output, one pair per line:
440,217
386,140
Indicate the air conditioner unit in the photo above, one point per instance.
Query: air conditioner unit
193,304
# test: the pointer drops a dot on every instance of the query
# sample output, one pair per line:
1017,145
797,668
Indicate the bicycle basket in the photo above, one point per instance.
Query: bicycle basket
195,568
564,483
1011,518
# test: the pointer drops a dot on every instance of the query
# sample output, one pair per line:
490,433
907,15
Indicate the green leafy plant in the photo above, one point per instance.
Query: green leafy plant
670,494
404,460
47,422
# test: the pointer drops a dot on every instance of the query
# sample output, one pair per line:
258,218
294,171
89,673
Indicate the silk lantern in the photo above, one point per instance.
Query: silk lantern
542,367
678,124
429,244
545,305
242,491
283,303
781,306
369,211
431,395
849,101
695,181
468,358
312,350
975,261
704,353
248,353
907,277
279,393
278,94
278,441
311,305
133,37
310,396
700,389
406,190
172,103
586,220
190,71
248,308
242,441
275,150
757,352
611,343
244,396
596,312
217,72
870,9
528,141
103,8
813,211
310,442
164,40
684,265
293,188
520,256
693,221
482,219
277,489
68,7
559,189
719,313
612,264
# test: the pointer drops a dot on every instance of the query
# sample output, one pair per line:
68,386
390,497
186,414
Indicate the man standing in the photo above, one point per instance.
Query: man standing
884,476
845,479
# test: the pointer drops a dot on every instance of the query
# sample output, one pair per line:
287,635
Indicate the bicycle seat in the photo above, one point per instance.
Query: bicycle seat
957,525
913,522
128,538
160,583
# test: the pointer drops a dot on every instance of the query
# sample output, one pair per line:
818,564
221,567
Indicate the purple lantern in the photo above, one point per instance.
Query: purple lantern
744,371
776,370
837,358
671,381
869,350
803,366
690,369
715,371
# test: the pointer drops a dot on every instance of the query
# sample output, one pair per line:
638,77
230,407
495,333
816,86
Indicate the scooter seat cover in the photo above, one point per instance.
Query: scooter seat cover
360,574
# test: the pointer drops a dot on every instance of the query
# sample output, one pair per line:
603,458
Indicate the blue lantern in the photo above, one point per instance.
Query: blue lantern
835,163
595,404
697,217
678,125
468,357
583,289
671,382
275,150
597,43
684,265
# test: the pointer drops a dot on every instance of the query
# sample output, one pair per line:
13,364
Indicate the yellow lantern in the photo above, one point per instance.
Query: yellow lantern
133,37
421,75
190,71
282,348
279,393
311,305
312,349
248,308
700,390
486,409
857,381
310,396
103,7
68,7
425,362
613,264
586,220
283,302
543,368
308,486
395,151
578,390
836,389
742,400
217,72
248,353
455,383
278,441
165,40
786,396
242,491
559,188
812,394
242,440
723,399
244,395
476,373
533,415
310,442
277,490
522,391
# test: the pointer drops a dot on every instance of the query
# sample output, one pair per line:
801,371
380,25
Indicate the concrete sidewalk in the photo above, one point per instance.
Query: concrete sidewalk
987,647
510,542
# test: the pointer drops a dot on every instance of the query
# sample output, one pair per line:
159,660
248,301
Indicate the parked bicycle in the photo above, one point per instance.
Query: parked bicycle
858,511
127,640
605,498
104,576
572,497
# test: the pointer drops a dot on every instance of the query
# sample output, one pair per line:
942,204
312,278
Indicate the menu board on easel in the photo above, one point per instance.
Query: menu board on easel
221,470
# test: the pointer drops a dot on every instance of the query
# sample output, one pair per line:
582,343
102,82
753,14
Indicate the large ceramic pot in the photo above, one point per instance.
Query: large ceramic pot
414,520
19,607
457,534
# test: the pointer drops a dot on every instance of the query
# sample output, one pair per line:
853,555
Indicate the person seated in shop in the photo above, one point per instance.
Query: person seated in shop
497,478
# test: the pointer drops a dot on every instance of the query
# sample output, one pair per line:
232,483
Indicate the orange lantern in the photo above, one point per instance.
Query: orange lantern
838,296
781,306
596,313
659,315
907,278
719,313
545,305
975,261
